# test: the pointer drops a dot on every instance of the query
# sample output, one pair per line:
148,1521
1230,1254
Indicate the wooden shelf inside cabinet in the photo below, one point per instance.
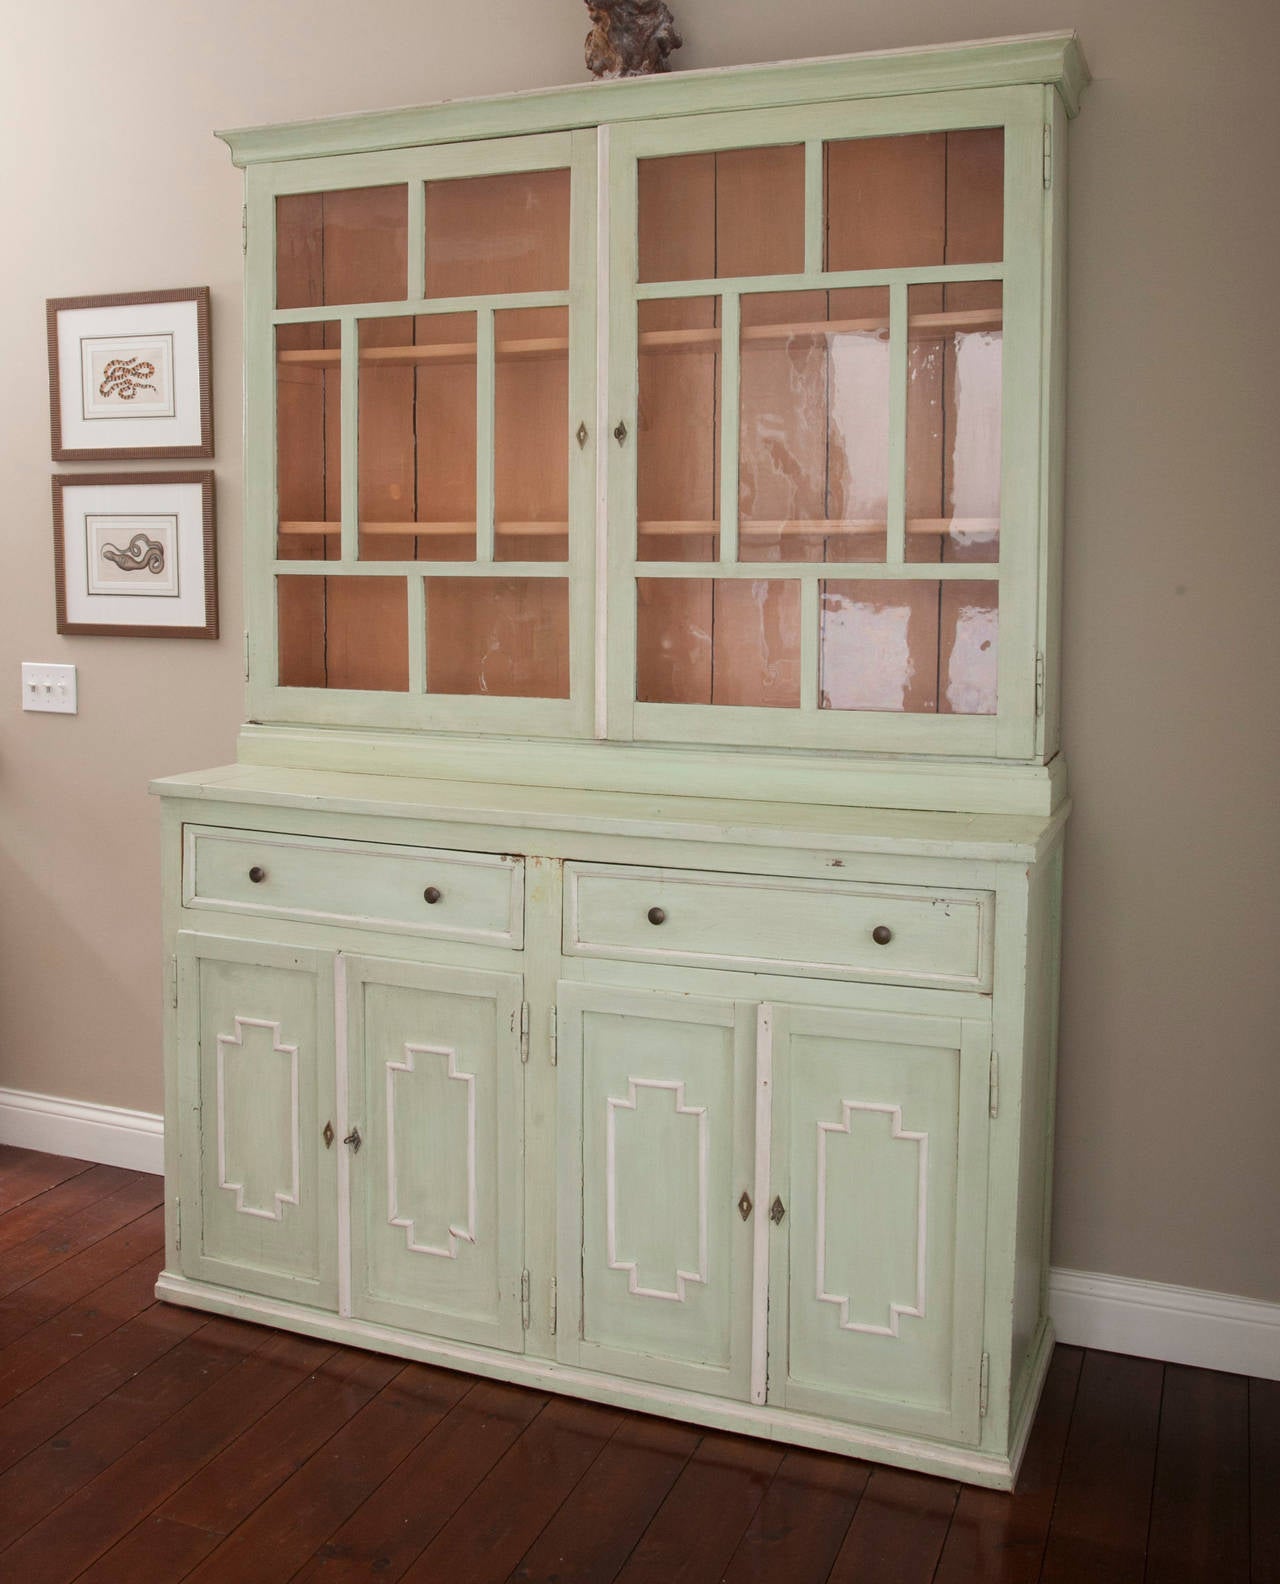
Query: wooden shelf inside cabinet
920,327
847,527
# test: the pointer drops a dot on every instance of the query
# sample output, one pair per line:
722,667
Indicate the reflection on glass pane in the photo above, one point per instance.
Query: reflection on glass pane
918,647
814,426
308,449
531,434
718,641
713,216
344,632
498,637
341,247
678,439
417,437
507,233
954,415
926,198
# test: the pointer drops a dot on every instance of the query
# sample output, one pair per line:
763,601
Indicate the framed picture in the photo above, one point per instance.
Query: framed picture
135,555
129,376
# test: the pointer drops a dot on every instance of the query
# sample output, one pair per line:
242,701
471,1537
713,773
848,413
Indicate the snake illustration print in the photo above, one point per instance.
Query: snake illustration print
140,554
125,377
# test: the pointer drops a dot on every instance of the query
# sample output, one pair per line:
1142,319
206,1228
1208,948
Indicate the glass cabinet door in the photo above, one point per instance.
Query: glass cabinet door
430,341
831,457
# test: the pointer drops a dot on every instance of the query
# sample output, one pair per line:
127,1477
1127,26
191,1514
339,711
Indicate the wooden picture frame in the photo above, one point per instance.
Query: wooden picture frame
129,376
135,555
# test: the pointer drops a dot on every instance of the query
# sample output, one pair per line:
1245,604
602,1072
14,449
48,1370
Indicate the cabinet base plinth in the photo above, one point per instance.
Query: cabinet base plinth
773,1424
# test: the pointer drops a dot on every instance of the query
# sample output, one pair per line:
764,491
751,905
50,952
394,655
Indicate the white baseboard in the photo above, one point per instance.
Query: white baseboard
1180,1325
109,1135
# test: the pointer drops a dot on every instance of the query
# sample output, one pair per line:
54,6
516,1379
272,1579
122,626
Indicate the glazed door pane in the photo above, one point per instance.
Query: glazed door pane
437,1223
256,1058
656,1121
429,434
820,417
879,1157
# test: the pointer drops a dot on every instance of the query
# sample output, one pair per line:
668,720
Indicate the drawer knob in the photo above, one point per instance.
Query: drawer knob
882,934
257,874
432,894
657,915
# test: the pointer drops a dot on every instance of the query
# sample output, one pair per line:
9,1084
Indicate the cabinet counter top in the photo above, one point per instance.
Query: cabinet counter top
999,837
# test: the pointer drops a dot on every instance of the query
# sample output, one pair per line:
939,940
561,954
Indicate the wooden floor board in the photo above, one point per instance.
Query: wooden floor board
1264,1482
1102,1513
996,1538
65,1198
1199,1530
142,1443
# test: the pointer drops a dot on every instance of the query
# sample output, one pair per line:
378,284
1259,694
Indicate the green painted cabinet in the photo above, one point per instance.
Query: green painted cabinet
436,1187
623,958
256,1055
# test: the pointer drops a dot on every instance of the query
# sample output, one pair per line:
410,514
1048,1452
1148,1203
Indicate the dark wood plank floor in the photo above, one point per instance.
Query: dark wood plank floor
143,1444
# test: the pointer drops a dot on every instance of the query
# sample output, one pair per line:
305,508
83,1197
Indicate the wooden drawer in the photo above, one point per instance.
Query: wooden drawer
366,885
825,929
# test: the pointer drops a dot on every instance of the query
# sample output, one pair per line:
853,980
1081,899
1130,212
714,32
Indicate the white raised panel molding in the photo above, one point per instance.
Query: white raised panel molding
611,1188
468,1233
291,1051
897,1131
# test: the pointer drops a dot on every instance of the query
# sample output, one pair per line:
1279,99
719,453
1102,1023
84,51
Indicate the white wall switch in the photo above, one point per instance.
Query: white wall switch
49,687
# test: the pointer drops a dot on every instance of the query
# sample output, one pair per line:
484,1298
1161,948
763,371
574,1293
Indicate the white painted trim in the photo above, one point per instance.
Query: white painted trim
760,1233
282,1198
82,1129
394,1218
612,1108
1181,1325
342,1105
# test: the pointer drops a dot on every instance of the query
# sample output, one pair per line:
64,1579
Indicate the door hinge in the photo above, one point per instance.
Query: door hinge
555,1034
1039,683
171,975
554,1302
177,1223
524,1031
244,228
984,1385
525,1318
1048,156
993,1085
246,654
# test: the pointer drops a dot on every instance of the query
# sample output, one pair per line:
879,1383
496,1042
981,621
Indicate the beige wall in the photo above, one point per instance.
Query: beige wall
110,180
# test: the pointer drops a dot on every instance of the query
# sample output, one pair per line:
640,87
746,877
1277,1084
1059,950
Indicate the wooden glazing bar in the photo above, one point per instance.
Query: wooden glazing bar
440,352
417,307
416,594
810,640
895,544
415,569
485,381
350,430
797,571
814,207
416,260
730,391
797,528
428,530
829,280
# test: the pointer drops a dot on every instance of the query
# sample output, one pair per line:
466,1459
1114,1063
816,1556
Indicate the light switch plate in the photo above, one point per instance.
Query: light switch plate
49,687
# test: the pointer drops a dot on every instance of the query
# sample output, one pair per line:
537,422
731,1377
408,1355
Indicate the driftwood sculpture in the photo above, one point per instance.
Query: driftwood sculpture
630,38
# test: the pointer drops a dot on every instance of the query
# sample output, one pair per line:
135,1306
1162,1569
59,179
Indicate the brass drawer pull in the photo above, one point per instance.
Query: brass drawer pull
432,894
657,915
882,934
257,874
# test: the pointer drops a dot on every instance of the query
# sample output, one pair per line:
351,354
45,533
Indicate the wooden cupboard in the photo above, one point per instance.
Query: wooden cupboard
624,955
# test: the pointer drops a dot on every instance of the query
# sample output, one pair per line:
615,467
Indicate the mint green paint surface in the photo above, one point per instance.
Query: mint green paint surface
256,1056
561,1104
436,1188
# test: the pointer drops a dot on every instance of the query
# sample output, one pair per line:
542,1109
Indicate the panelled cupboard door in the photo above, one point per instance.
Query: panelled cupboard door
879,1162
256,1061
436,1192
656,1151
